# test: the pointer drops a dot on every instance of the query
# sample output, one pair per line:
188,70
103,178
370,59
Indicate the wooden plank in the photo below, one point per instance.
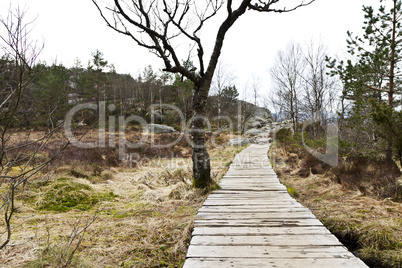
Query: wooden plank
267,216
195,251
250,203
300,240
237,210
212,202
259,223
263,231
288,263
255,195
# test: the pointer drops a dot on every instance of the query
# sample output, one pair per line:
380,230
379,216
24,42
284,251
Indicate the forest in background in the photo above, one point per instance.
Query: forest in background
54,89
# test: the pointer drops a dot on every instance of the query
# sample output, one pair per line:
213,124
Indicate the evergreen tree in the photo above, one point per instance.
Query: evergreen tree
372,81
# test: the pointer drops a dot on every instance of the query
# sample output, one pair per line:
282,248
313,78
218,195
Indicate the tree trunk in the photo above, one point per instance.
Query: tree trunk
201,160
392,80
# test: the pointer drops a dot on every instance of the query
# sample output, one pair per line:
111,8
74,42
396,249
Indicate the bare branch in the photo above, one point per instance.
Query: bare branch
265,6
377,89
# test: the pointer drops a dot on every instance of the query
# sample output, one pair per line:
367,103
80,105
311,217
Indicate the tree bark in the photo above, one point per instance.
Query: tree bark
201,160
388,155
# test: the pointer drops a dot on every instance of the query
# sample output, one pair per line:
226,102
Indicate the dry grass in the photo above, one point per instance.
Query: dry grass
147,222
373,224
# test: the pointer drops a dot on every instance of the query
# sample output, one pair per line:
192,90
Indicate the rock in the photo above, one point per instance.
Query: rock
157,115
260,119
158,129
81,123
256,124
253,132
262,112
239,141
263,140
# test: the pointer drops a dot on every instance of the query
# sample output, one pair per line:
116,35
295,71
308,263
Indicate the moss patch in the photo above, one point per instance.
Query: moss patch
66,194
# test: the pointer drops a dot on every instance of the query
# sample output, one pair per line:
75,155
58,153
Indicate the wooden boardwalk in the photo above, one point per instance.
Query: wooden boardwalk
253,222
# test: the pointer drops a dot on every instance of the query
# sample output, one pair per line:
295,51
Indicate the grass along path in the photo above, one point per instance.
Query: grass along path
373,227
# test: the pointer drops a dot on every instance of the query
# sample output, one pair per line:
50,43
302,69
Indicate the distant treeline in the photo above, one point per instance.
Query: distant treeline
54,89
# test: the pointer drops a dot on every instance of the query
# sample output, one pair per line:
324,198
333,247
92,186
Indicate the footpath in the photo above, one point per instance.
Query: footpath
252,221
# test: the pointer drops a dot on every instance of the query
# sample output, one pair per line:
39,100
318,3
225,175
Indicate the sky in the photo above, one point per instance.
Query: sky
73,29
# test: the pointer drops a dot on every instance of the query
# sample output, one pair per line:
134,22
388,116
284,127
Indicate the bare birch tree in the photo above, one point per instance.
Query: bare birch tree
19,158
223,77
318,85
286,75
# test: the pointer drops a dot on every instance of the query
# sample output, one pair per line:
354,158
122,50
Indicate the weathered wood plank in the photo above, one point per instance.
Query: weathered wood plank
299,240
266,216
268,263
254,209
211,202
283,222
277,252
263,231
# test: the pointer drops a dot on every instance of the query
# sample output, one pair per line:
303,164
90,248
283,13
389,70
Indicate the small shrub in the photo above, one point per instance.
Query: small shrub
96,169
78,174
107,175
219,140
303,172
315,165
370,176
283,134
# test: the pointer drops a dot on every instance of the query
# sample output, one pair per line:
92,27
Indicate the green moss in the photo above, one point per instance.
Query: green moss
215,186
66,194
292,191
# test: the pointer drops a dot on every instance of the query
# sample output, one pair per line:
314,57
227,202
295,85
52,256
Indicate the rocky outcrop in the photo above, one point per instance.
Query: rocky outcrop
159,129
240,141
253,132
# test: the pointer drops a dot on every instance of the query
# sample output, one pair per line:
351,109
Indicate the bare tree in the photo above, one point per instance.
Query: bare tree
19,158
162,26
318,85
286,75
255,87
223,77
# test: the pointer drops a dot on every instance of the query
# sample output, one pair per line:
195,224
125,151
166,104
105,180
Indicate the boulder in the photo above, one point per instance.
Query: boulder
263,140
253,132
159,129
239,141
260,119
256,124
157,115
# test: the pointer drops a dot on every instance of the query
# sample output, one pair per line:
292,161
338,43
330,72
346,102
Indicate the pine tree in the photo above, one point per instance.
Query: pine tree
374,74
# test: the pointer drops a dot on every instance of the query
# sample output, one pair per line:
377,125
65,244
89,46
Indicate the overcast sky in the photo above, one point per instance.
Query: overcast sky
73,29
